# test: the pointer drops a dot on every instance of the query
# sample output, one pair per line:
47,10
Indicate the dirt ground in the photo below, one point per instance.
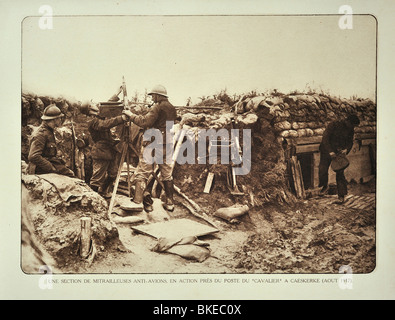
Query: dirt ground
308,236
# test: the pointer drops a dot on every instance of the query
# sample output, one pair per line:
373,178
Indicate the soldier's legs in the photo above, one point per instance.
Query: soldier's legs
113,167
325,161
341,183
167,178
142,173
143,170
112,171
62,169
99,174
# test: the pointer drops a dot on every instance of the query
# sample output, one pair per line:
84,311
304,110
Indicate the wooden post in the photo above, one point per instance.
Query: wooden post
298,178
86,235
316,164
209,182
301,180
295,177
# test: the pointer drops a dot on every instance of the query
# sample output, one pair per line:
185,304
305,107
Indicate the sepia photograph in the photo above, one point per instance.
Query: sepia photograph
205,151
198,144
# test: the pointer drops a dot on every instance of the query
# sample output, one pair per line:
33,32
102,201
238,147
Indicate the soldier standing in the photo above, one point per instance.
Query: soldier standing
104,154
161,112
338,138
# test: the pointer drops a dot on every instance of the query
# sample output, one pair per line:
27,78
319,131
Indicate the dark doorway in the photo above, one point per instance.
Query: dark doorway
306,164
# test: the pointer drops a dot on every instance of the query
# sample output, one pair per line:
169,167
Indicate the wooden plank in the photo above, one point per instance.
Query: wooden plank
209,182
307,148
352,201
366,142
366,206
175,229
308,140
373,157
367,178
301,182
293,175
316,170
361,136
296,177
358,205
367,138
199,107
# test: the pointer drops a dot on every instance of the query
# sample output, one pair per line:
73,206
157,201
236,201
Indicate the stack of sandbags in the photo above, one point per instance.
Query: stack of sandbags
33,107
307,115
366,127
194,120
218,120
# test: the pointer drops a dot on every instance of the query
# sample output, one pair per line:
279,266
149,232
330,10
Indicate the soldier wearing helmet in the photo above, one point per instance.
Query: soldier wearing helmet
43,150
104,154
161,112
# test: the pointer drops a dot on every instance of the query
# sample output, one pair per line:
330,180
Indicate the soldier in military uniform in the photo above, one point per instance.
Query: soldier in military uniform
161,112
43,151
104,154
338,138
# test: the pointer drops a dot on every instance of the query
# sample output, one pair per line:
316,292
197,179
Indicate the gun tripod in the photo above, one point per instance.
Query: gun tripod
125,155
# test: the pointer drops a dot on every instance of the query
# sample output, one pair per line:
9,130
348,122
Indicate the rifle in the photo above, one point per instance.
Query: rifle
73,147
235,144
125,95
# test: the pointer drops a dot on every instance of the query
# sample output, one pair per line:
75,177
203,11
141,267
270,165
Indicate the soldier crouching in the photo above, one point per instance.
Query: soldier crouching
43,150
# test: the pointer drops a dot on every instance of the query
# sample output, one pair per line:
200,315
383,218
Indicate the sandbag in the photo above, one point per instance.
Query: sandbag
283,125
189,248
254,103
232,212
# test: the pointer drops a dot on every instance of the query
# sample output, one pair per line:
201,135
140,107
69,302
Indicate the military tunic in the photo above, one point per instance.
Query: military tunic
156,118
338,136
43,152
105,156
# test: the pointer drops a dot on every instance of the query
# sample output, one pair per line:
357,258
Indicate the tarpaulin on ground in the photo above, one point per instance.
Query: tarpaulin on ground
69,189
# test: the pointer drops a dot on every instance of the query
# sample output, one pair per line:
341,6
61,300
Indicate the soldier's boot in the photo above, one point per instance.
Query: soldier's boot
340,200
169,191
324,190
148,202
137,202
106,189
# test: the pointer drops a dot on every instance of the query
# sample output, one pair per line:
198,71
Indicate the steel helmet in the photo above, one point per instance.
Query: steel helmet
159,89
89,109
51,112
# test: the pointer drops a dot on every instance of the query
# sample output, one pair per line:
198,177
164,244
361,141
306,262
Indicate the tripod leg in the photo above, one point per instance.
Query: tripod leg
127,166
114,192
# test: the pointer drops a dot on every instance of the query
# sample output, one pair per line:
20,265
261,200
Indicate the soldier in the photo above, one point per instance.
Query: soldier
43,151
337,139
161,112
104,154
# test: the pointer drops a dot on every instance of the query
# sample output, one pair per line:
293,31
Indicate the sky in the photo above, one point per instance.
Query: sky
85,57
